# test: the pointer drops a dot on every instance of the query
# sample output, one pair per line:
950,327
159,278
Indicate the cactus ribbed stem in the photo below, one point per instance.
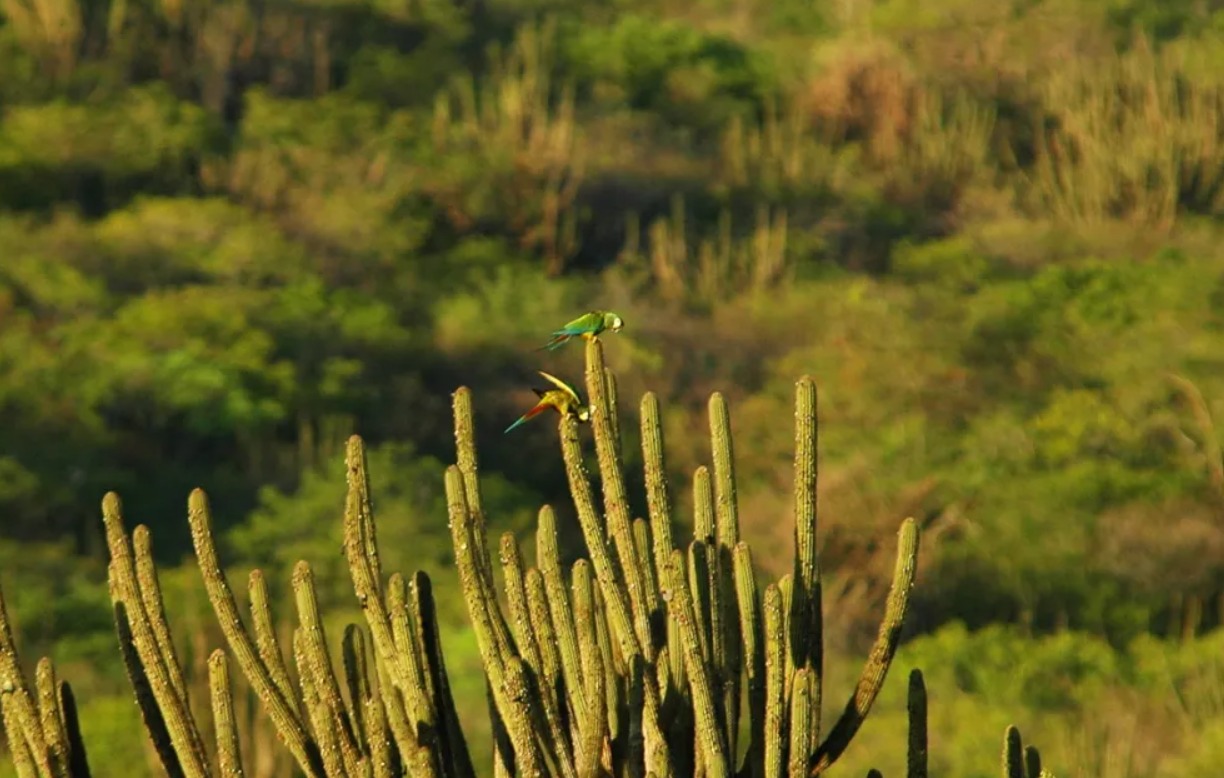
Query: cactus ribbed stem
155,722
316,710
229,758
465,459
21,721
288,725
752,633
657,499
562,617
775,684
800,723
594,673
709,735
78,763
361,550
51,717
806,622
266,641
319,664
520,617
916,707
882,651
507,679
18,747
453,750
151,598
129,586
616,503
1013,754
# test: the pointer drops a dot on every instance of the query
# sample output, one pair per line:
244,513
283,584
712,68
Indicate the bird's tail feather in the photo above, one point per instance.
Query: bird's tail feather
529,414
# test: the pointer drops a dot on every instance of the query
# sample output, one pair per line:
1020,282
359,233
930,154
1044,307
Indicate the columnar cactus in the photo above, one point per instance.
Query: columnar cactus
630,663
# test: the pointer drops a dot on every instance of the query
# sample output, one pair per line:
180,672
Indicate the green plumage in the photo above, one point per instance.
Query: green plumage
587,326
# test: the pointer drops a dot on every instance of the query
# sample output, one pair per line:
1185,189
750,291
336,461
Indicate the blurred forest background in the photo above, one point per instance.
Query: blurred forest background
233,232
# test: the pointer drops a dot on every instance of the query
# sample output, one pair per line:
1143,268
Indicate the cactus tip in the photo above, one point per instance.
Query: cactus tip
197,501
111,504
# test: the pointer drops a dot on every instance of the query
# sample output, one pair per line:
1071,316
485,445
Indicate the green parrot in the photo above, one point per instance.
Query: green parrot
588,326
563,399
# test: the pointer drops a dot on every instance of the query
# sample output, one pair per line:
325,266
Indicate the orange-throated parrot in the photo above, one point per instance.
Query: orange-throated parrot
563,399
587,326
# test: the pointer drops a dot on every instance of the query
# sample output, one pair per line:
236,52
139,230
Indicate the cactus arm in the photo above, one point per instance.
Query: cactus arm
360,549
641,541
747,602
522,721
555,740
290,728
610,584
699,591
786,587
229,759
547,556
1032,762
21,720
546,635
709,736
465,460
774,724
51,716
319,665
507,679
403,733
614,669
266,641
416,701
703,505
916,709
657,500
594,674
128,587
806,621
454,752
724,470
516,600
1013,754
800,723
151,599
613,413
882,651
18,746
78,762
155,722
317,710
616,503
356,681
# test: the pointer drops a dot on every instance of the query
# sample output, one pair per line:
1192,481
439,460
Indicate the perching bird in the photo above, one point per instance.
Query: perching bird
563,399
587,326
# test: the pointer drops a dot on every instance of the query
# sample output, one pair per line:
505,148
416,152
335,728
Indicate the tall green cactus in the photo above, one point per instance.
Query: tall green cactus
630,663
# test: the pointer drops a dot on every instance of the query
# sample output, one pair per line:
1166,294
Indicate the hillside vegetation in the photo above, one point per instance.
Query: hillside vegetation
233,234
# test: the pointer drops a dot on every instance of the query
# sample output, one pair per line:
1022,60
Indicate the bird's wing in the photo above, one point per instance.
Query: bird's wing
564,387
587,322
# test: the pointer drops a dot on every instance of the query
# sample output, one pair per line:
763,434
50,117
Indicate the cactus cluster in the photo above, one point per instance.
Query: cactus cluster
642,659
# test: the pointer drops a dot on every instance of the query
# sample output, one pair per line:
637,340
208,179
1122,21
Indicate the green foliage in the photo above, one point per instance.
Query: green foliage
670,68
231,234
